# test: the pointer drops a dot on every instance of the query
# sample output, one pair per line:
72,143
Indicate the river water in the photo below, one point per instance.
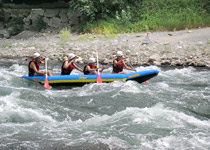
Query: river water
171,111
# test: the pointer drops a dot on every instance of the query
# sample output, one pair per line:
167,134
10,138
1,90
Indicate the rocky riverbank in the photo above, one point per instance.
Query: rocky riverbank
181,48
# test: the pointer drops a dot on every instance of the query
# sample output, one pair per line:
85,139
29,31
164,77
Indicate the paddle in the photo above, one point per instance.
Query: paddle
46,84
130,64
98,77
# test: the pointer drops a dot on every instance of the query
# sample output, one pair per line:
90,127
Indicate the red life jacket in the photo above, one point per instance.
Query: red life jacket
31,72
118,68
67,71
88,72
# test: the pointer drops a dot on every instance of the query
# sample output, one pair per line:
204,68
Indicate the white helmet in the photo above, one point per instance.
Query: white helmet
119,53
71,56
36,55
91,60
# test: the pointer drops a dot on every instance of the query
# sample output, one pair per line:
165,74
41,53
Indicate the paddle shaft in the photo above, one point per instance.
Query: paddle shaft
98,80
97,60
46,66
129,64
78,65
46,84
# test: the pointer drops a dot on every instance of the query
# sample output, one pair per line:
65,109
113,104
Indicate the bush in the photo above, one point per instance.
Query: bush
117,16
101,9
65,34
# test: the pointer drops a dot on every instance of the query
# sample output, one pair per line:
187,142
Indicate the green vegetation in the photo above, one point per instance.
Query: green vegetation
65,34
126,16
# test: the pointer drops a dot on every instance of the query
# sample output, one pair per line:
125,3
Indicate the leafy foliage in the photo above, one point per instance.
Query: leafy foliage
115,16
102,9
65,34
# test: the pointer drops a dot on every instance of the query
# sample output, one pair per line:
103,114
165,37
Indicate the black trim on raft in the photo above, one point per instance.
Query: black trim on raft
144,78
69,84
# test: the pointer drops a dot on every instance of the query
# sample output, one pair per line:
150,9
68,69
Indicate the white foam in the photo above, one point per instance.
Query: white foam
130,87
143,68
12,107
162,85
114,143
167,118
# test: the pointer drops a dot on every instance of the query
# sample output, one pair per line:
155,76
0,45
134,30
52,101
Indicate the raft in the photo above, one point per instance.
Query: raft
80,80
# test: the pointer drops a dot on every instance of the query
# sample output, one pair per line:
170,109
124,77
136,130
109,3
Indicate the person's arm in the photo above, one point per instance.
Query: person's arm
128,67
87,68
117,62
43,60
102,69
66,64
35,69
78,68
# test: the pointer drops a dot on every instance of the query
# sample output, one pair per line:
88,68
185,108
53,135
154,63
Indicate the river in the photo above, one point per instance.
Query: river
171,111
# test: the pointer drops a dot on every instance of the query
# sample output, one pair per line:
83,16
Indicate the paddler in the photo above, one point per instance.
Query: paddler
119,64
33,66
69,65
91,67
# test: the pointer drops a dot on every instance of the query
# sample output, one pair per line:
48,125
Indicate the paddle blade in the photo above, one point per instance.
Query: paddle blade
46,84
99,79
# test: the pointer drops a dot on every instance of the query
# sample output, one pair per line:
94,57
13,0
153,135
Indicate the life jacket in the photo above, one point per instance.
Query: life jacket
118,68
31,72
67,71
88,72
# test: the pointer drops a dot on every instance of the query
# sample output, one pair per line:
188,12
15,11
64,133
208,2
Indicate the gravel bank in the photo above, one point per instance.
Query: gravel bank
181,48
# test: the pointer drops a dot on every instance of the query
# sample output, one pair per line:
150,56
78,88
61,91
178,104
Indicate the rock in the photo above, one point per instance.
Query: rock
179,47
54,22
25,35
165,62
175,57
51,13
154,57
4,34
200,43
180,43
77,49
106,61
27,21
63,16
157,63
46,20
127,52
37,12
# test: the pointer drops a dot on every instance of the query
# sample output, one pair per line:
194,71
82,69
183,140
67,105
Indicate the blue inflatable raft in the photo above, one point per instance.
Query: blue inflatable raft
80,80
